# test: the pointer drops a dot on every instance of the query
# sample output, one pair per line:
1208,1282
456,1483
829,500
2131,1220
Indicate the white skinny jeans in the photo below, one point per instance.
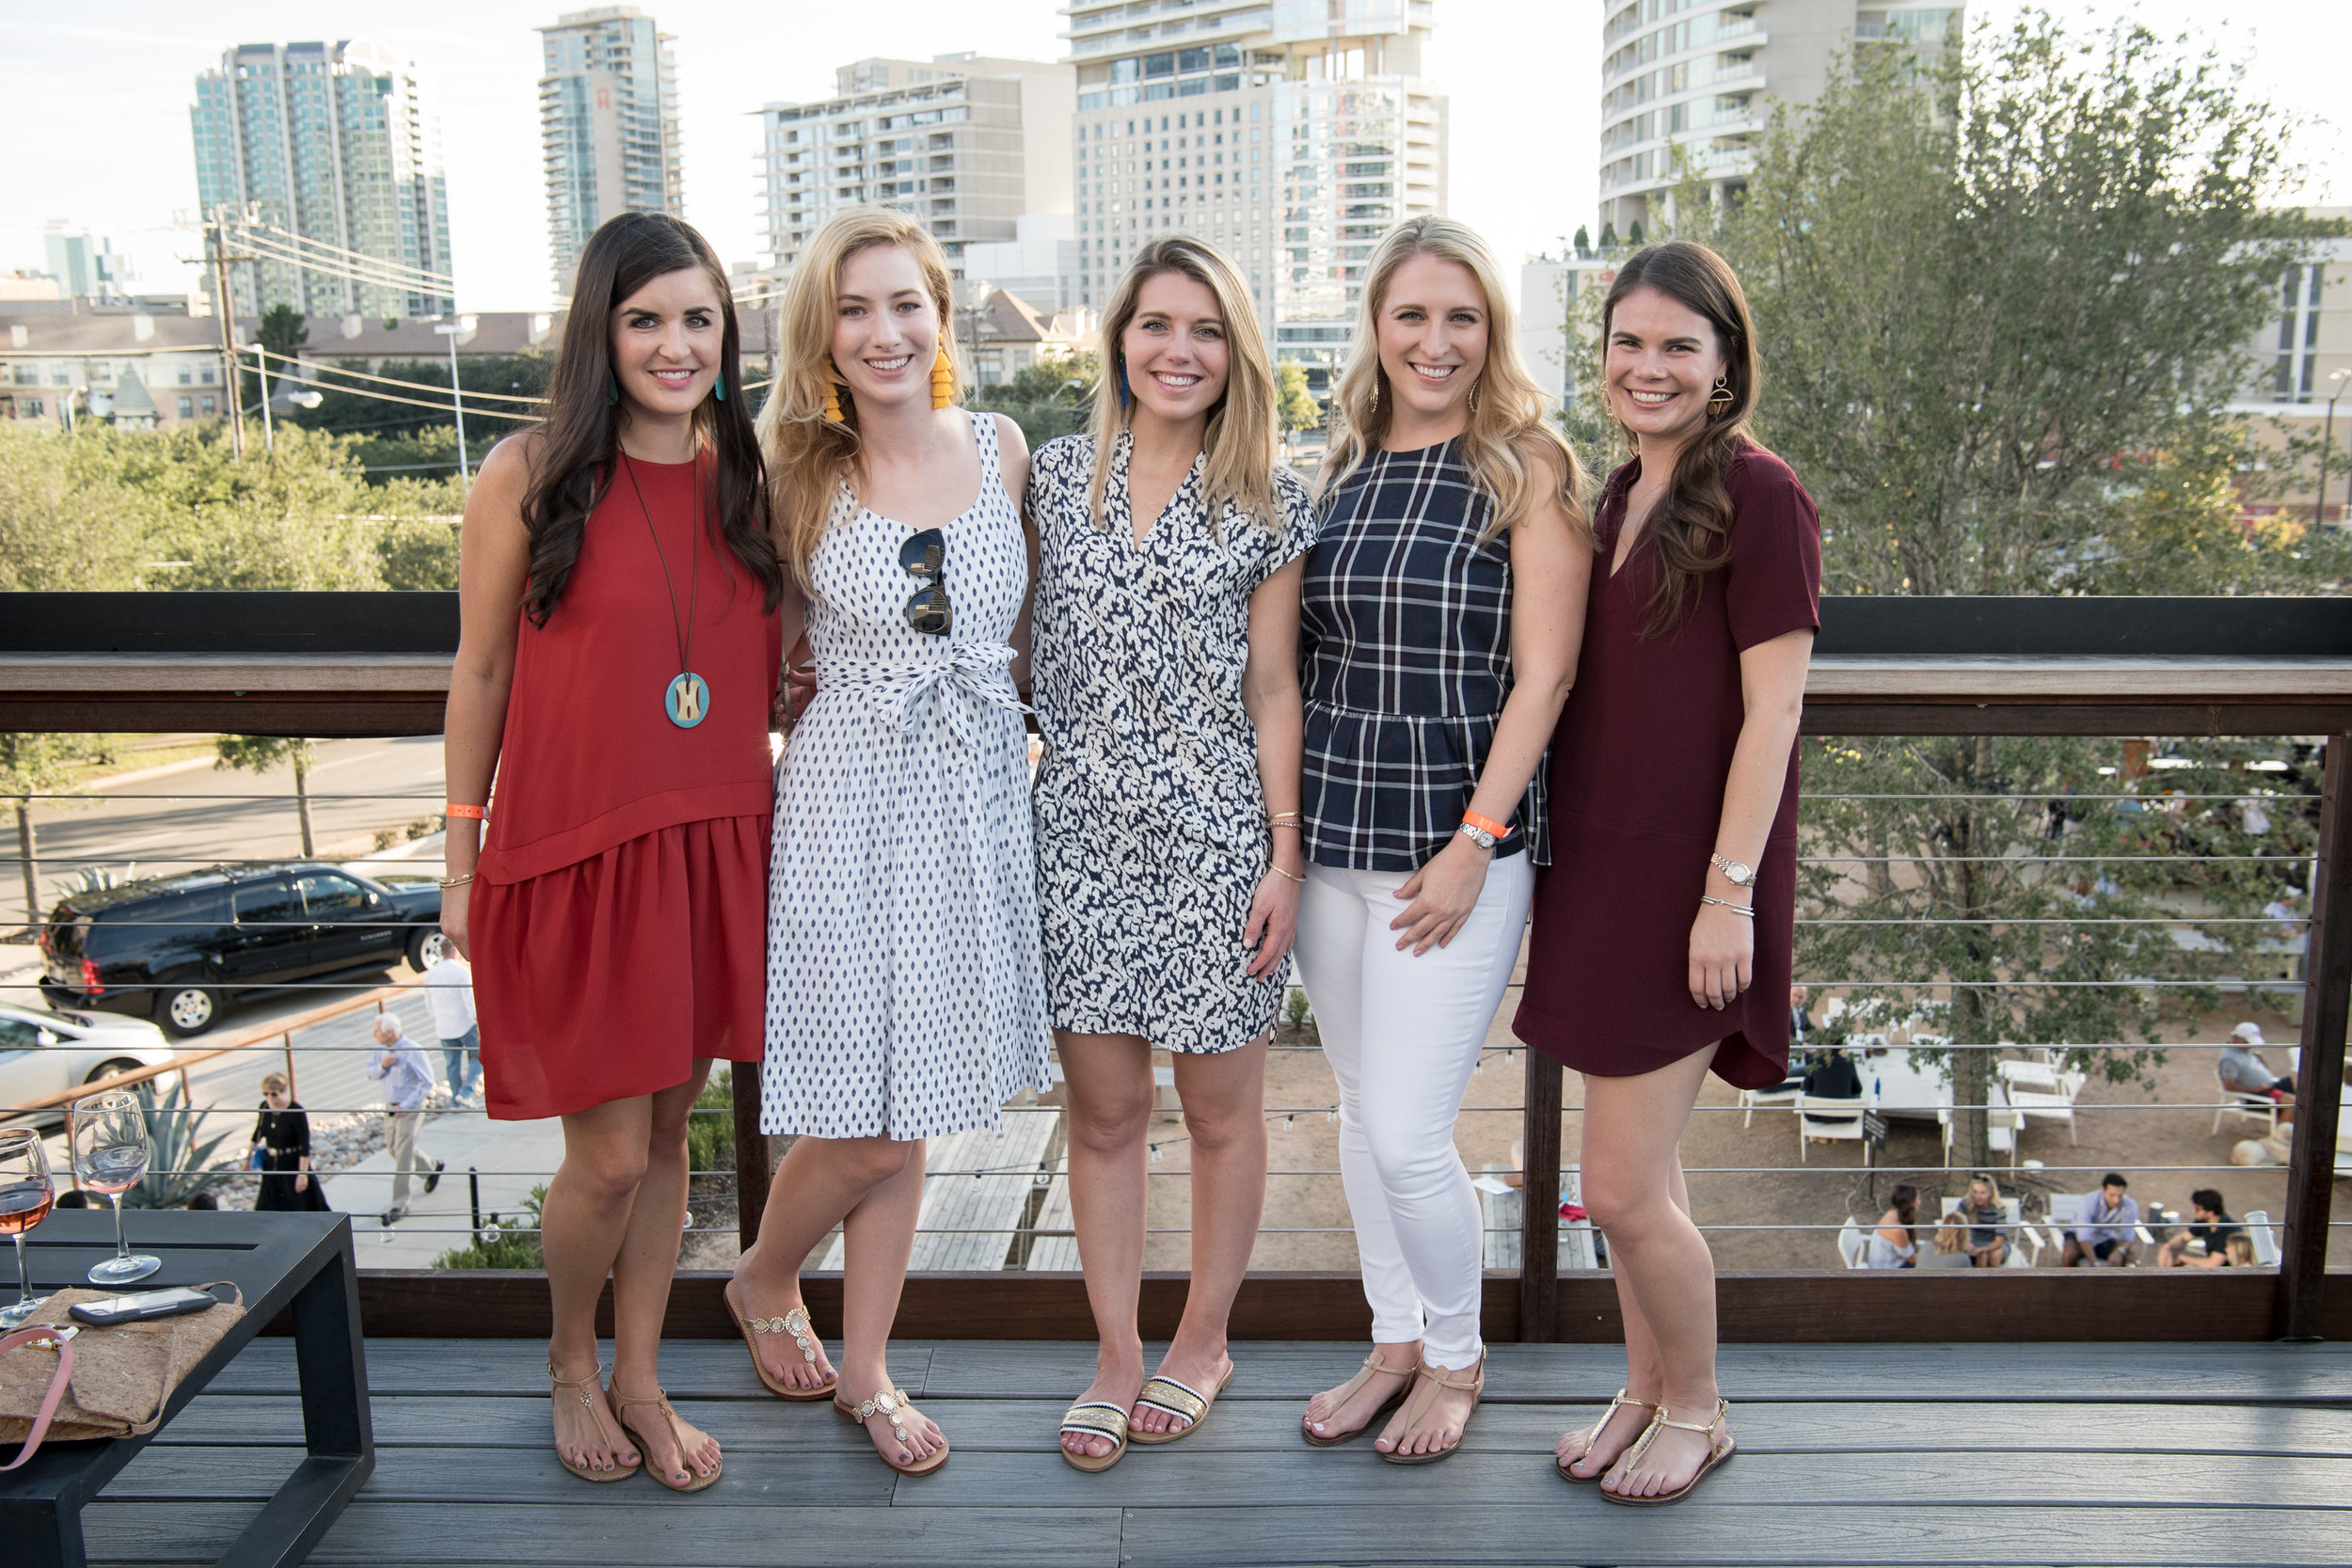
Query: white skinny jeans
1402,1035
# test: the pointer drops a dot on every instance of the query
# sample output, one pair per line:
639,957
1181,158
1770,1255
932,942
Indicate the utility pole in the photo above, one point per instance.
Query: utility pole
2327,449
452,331
223,306
260,369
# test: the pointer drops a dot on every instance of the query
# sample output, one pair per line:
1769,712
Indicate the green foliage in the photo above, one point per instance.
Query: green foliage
351,406
710,1131
1583,237
1048,398
281,331
177,1158
259,753
505,1244
1294,1010
1295,406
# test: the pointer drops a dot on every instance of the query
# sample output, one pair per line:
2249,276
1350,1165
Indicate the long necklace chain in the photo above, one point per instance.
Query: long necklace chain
693,591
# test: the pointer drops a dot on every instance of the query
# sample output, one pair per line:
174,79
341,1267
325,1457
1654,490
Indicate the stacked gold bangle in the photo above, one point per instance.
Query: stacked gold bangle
1284,819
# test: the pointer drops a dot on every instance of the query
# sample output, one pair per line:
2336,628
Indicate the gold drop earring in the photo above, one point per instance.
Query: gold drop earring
1719,401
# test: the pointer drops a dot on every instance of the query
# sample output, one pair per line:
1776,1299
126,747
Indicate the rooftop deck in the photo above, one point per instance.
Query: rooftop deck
2104,1454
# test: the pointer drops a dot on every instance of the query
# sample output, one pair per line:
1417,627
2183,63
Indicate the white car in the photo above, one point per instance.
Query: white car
44,1054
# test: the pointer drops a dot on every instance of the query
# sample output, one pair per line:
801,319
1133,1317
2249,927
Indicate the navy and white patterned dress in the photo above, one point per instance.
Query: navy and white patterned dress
904,992
1406,634
1150,819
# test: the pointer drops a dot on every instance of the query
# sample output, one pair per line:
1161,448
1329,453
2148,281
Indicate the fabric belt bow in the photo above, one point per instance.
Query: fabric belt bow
979,673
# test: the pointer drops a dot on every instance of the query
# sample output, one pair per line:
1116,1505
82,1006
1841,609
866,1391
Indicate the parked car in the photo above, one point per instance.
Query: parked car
44,1054
179,947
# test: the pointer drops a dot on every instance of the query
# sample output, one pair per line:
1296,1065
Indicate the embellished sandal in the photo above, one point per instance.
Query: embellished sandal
794,1323
1373,1367
1166,1395
1716,1452
595,1381
893,1403
1591,1437
662,1401
1430,1379
1096,1419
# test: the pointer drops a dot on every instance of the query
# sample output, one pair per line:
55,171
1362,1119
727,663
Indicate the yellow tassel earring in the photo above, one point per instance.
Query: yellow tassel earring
943,379
833,403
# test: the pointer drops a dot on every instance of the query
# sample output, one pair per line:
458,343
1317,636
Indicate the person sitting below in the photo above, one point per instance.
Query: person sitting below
1988,1223
1950,1250
2237,1252
2243,1071
1831,1077
1895,1244
2106,1226
2214,1228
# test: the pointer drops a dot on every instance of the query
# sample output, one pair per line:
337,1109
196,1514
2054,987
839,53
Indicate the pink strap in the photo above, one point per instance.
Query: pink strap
64,1347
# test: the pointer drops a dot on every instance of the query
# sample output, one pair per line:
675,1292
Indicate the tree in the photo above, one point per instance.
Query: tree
2002,299
1583,239
1608,235
31,765
1633,232
1295,406
282,330
259,753
1047,398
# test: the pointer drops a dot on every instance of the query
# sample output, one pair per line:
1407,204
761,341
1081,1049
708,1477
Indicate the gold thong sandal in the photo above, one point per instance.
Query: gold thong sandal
1430,1379
794,1323
580,1385
1718,1451
660,1401
1591,1437
1096,1419
1170,1397
893,1403
1372,1368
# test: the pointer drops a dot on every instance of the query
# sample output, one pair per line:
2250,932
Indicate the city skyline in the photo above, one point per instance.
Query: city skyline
1525,80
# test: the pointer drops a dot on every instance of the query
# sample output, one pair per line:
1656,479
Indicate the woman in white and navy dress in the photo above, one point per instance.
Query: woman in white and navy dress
1168,836
905,994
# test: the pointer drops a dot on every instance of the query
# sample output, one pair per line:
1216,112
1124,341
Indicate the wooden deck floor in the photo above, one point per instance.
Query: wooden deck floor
2035,1454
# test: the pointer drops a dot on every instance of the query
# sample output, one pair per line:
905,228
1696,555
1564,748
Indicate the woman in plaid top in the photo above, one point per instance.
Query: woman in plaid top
1441,617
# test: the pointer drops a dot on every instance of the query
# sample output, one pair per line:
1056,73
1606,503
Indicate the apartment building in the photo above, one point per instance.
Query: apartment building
608,126
1289,136
966,143
1687,83
85,266
2302,384
141,370
331,142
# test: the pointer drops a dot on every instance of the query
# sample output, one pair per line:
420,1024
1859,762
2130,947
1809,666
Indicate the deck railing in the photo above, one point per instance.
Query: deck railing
330,665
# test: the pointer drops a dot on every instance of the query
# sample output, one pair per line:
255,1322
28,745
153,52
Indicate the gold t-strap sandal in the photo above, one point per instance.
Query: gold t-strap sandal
693,1482
893,1403
1373,1368
1429,1380
1171,1397
1718,1450
795,1324
579,1387
1096,1419
1591,1437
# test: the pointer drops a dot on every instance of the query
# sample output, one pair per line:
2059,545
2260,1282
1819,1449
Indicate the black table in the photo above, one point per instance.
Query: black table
302,1260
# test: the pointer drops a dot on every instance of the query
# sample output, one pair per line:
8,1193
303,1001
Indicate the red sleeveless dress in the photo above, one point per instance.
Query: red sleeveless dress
620,909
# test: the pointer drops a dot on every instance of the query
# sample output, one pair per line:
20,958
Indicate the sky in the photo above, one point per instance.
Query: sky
102,137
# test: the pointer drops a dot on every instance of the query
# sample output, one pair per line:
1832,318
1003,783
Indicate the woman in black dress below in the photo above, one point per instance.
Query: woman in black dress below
282,1134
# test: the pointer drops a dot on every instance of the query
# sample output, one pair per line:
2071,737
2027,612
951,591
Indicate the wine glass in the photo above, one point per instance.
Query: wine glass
25,1194
110,1154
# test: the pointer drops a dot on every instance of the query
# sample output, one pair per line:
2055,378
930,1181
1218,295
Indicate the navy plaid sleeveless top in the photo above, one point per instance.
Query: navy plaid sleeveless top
1406,643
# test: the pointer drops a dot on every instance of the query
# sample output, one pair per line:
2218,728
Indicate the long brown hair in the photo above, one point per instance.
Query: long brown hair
1510,419
580,436
811,456
1691,522
1240,435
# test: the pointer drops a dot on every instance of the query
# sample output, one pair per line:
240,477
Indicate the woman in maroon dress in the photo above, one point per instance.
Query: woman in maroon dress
1662,927
616,668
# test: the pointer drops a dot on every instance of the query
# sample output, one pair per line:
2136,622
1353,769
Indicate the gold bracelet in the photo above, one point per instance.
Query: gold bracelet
1290,817
1748,909
1293,827
1279,872
447,882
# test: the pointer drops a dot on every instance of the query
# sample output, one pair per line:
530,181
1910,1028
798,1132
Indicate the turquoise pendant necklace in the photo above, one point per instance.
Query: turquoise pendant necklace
686,696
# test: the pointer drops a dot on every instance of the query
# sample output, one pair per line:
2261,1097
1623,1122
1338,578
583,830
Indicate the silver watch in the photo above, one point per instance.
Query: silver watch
1479,836
1734,873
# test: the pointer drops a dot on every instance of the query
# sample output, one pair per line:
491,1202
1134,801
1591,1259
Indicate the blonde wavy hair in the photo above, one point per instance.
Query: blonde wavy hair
1240,439
809,456
1510,418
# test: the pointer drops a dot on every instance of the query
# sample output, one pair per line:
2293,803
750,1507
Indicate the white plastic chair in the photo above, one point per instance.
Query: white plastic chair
1847,1128
2064,1207
1779,1097
2036,1091
1854,1247
2254,1107
2266,1240
2003,1129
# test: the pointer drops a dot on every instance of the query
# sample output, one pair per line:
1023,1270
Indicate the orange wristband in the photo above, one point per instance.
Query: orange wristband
475,812
1486,824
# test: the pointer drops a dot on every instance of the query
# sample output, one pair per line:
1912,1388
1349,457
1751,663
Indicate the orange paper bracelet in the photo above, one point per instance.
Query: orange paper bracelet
1486,824
475,812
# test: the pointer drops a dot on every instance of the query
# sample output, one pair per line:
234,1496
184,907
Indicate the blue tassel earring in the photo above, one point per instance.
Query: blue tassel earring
1125,396
719,387
613,388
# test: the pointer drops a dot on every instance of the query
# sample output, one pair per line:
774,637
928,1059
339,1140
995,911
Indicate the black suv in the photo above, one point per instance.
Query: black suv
178,947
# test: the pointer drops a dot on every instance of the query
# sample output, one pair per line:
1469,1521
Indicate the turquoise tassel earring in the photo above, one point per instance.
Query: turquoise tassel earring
613,388
719,387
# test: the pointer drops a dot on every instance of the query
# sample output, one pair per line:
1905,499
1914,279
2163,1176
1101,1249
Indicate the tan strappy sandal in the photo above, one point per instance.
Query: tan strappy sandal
893,1403
580,1385
659,1398
795,1324
1096,1419
1428,1380
1591,1436
1717,1453
1372,1368
1170,1397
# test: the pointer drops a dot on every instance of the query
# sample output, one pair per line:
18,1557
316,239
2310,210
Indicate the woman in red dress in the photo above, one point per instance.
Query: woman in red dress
616,668
1661,941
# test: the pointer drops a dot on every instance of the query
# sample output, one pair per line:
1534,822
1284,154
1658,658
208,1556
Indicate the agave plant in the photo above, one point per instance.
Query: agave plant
97,879
176,1160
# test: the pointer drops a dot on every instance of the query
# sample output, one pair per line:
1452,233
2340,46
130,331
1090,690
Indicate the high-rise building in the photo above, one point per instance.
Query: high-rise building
330,142
608,126
85,266
1687,83
966,143
1289,136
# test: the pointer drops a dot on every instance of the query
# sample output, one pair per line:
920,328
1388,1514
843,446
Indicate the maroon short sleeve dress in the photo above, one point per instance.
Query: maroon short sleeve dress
620,912
1638,767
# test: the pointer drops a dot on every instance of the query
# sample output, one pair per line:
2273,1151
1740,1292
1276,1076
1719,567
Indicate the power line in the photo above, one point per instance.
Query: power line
387,380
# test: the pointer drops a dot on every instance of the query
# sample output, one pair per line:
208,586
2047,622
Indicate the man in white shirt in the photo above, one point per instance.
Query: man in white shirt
407,1078
449,992
2242,1071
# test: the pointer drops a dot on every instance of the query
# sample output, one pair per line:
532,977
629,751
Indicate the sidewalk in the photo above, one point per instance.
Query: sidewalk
512,1157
